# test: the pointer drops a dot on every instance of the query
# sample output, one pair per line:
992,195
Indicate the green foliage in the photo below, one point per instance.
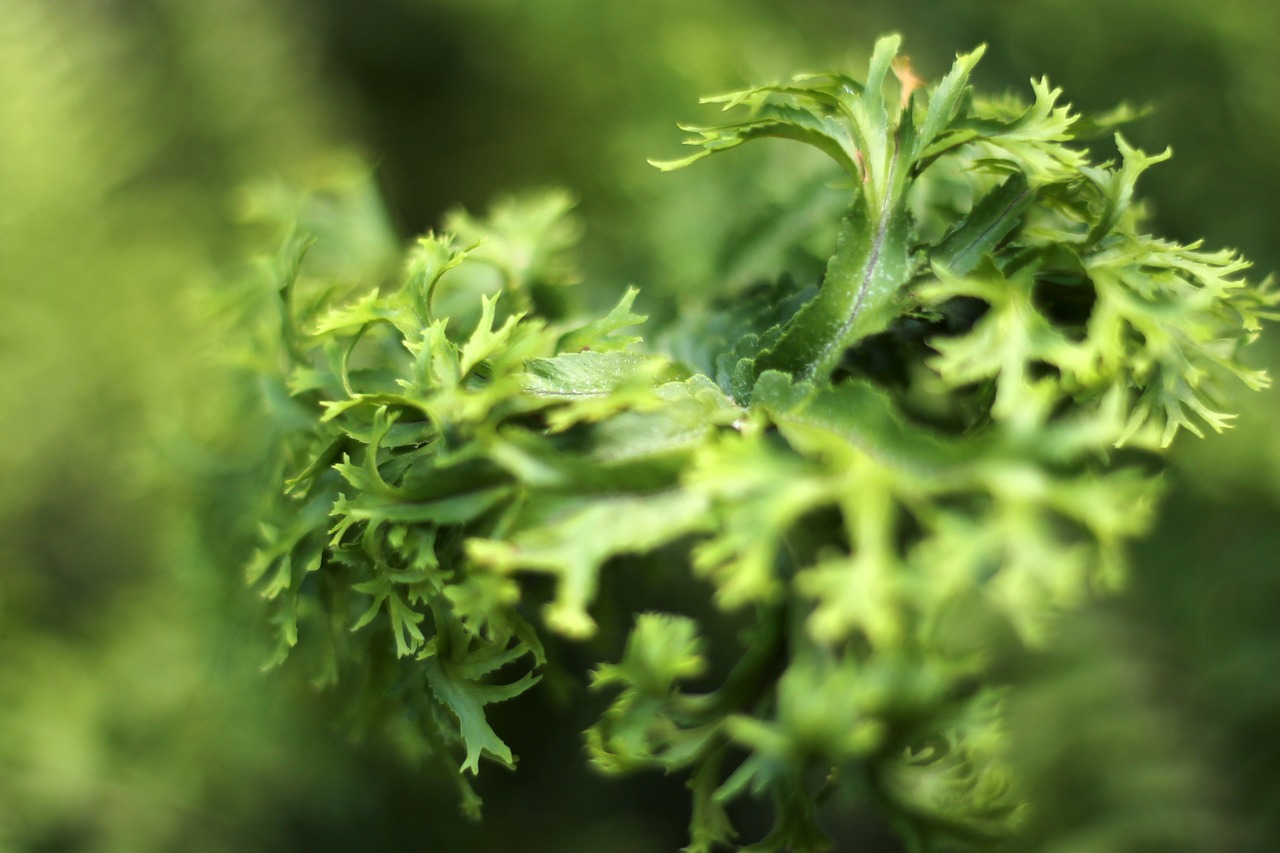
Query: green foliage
885,477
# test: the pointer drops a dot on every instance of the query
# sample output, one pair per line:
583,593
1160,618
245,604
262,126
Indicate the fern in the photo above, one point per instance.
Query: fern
954,430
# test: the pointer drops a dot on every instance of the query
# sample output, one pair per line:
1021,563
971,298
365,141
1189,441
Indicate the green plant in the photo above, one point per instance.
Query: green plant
883,478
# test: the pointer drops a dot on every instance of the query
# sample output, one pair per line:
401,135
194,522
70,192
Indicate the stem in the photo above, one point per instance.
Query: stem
860,290
752,676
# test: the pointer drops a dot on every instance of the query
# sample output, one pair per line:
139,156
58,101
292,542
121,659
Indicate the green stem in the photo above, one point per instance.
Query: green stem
751,677
861,288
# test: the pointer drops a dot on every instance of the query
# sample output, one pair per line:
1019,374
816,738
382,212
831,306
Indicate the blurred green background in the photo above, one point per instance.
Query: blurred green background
133,716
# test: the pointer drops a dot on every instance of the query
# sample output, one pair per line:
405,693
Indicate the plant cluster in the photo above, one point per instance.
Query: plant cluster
946,440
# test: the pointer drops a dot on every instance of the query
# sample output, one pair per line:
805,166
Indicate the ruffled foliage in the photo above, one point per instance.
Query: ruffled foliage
886,474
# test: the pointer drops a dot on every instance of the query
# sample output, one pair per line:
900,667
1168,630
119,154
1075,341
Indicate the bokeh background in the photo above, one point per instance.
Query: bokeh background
133,716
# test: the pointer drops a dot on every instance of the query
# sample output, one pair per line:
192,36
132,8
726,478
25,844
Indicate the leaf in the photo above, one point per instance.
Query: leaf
1030,139
404,619
781,122
466,698
594,386
946,102
573,544
757,494
428,261
1007,344
455,509
1117,186
370,308
601,335
849,123
662,650
687,414
575,375
646,723
990,222
486,341
529,239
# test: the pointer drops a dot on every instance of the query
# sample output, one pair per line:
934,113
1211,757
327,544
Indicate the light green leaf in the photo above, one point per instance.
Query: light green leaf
465,698
601,335
486,341
529,239
573,545
662,650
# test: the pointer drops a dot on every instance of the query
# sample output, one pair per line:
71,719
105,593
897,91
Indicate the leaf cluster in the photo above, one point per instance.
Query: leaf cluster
883,471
